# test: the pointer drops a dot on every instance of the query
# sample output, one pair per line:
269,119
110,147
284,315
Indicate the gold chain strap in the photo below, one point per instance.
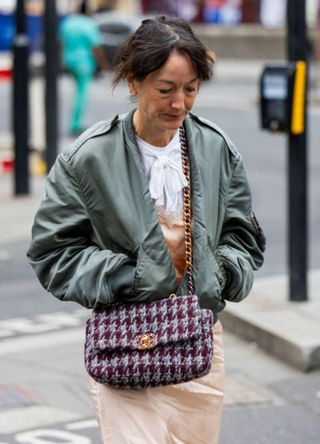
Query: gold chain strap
187,210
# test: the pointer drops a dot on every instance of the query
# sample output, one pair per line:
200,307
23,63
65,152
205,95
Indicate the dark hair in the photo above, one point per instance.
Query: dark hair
150,46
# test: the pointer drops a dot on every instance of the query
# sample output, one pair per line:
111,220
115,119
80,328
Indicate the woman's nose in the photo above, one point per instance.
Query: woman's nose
178,100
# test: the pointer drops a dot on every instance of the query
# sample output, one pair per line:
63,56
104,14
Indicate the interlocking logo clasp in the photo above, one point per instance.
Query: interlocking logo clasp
146,341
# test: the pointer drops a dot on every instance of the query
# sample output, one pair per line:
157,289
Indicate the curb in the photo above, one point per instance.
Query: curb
287,330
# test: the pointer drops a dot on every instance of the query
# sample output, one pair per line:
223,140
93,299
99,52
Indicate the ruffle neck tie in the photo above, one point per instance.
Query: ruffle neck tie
166,182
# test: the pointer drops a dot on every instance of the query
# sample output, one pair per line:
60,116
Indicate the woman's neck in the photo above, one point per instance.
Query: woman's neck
152,135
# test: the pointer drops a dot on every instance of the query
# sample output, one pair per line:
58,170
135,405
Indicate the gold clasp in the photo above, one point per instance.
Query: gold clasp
146,341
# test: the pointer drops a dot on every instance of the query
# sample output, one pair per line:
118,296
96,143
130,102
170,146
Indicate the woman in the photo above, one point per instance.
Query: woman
82,52
111,227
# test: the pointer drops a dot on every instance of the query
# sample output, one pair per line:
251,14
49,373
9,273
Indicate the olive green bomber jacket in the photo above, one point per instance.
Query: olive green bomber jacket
96,237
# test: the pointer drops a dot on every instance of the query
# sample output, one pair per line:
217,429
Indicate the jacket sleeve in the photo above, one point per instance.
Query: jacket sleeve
242,241
67,263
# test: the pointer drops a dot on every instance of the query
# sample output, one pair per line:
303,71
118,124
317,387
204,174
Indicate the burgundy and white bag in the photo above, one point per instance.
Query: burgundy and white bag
159,343
163,342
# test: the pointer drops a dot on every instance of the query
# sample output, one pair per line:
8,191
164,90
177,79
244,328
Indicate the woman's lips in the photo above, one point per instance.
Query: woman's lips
174,116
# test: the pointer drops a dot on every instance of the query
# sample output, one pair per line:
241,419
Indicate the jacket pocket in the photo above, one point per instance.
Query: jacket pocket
155,275
217,264
210,278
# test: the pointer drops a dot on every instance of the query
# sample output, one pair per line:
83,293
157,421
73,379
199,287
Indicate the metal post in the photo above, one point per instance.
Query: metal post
297,166
51,71
20,105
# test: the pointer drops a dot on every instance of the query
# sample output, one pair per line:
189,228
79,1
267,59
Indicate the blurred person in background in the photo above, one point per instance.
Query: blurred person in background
82,53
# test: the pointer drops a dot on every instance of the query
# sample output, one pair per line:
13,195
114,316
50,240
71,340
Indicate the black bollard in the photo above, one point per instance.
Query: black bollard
20,104
297,160
51,74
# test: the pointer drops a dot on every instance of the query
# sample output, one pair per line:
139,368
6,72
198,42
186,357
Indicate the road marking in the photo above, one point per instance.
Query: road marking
42,323
87,424
13,395
26,418
43,436
24,344
85,431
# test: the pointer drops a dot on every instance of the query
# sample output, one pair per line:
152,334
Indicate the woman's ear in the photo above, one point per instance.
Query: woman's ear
132,86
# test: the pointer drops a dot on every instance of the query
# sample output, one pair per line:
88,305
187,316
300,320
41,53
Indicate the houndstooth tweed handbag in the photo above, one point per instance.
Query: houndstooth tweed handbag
163,342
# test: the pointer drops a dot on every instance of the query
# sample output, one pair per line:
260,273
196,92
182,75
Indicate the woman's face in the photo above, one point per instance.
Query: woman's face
165,96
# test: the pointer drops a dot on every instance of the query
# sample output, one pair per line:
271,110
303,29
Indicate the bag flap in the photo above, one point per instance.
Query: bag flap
143,326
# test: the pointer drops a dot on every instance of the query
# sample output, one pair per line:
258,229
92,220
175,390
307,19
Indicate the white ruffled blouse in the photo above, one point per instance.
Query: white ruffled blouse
163,168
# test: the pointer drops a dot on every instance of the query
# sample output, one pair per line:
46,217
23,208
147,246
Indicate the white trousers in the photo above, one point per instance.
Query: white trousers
187,413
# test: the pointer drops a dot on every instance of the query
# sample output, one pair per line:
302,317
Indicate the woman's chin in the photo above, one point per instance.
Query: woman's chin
173,124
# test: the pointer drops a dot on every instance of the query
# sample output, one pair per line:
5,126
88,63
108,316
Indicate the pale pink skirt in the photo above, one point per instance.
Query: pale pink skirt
188,413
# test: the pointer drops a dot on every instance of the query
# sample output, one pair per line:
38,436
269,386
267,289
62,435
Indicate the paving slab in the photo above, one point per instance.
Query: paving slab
285,424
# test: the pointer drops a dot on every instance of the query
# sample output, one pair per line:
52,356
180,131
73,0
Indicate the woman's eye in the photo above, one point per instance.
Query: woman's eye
191,90
164,91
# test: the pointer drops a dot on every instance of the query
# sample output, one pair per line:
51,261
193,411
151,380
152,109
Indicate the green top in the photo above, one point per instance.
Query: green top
79,34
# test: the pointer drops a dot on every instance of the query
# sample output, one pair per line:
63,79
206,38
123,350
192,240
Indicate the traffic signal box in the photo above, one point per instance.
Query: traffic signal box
282,97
